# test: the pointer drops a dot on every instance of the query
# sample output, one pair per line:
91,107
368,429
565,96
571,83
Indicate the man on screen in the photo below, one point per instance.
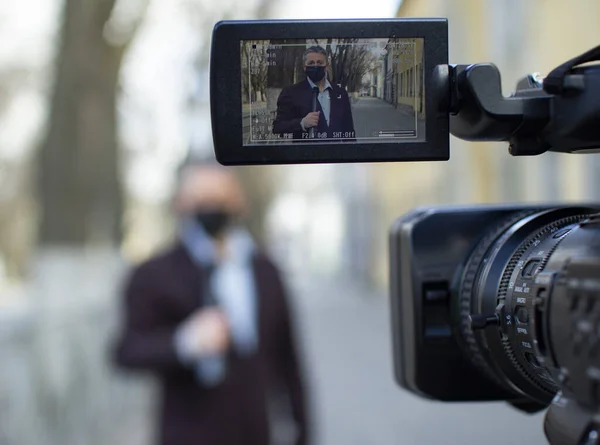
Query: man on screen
314,108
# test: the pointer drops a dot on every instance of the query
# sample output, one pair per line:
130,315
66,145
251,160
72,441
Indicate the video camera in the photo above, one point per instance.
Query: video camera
488,302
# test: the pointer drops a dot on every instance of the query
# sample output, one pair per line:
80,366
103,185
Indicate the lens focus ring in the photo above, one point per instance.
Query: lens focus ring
505,294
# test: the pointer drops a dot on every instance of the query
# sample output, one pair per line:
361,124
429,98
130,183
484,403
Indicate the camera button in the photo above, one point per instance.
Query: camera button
522,315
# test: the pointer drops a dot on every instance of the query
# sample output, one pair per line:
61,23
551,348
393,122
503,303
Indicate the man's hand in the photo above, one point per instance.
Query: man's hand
311,119
212,330
205,332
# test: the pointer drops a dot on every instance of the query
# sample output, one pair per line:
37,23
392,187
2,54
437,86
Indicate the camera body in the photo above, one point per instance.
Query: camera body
497,302
456,265
428,249
501,303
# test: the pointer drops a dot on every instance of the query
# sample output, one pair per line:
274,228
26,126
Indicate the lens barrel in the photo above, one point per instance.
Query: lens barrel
501,302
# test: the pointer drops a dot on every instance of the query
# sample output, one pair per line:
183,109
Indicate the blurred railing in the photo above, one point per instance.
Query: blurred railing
58,385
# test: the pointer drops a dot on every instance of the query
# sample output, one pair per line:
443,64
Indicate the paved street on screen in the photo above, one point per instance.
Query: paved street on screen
372,115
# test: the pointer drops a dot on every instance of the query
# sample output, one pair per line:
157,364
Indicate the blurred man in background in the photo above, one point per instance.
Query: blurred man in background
211,318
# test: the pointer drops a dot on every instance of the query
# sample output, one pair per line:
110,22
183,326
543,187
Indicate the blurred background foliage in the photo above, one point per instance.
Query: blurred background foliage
101,100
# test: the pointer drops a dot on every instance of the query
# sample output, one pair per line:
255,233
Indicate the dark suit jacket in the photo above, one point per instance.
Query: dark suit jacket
295,102
164,291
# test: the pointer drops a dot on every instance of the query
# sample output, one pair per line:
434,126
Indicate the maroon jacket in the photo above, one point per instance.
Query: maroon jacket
160,294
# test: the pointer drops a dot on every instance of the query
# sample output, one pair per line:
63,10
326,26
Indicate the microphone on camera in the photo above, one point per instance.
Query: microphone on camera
315,93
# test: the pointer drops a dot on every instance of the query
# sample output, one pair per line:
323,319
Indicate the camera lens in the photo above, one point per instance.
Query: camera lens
498,284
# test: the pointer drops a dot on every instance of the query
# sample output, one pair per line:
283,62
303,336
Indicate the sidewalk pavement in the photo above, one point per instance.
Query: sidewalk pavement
345,332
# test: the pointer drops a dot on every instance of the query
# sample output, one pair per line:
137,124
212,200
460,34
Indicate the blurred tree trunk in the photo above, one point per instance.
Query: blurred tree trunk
78,174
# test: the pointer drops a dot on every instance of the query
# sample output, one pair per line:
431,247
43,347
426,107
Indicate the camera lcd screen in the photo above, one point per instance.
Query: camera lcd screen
332,90
322,91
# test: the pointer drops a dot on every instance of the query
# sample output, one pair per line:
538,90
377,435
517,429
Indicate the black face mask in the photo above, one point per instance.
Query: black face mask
315,73
214,222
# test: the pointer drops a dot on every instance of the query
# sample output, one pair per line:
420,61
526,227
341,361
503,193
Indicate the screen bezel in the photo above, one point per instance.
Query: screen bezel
226,87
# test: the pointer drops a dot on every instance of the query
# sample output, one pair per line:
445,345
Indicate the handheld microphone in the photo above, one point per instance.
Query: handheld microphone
315,93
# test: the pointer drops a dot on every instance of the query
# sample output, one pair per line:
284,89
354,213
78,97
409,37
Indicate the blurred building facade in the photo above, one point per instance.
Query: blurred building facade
520,37
376,80
403,68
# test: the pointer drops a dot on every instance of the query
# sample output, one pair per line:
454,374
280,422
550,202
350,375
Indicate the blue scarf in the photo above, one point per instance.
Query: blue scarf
233,287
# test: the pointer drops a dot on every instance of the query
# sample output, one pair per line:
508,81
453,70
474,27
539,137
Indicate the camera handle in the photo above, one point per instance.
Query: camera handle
559,113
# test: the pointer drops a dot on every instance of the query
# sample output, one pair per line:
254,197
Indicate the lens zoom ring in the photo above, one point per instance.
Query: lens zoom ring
466,293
